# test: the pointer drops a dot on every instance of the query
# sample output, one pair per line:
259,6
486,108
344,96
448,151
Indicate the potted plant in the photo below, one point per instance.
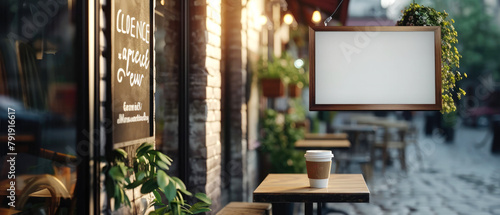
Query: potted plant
295,76
270,75
418,15
149,173
298,79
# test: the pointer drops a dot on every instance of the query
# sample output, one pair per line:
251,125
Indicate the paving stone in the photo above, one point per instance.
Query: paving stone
444,210
457,178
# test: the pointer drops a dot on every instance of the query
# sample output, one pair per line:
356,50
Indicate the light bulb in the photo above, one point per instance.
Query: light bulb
316,17
262,19
288,19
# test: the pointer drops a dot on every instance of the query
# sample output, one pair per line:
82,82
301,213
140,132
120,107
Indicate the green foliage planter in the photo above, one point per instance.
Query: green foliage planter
149,173
272,87
279,135
274,74
294,90
418,15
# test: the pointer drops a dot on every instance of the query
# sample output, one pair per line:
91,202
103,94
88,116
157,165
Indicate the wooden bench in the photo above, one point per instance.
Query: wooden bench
246,208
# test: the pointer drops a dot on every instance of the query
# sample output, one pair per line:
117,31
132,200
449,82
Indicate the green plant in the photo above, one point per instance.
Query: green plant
283,68
479,36
418,15
279,135
293,75
449,120
149,172
270,69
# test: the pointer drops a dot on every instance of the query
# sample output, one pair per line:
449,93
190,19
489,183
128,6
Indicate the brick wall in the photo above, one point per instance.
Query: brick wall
242,44
205,99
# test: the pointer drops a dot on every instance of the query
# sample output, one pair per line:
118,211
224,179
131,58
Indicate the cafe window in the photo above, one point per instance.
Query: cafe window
167,37
40,66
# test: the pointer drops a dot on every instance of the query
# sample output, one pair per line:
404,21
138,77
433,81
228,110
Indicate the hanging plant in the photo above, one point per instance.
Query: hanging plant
419,15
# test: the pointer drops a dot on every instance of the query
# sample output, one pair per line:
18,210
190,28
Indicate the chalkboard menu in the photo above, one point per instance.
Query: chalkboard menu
131,63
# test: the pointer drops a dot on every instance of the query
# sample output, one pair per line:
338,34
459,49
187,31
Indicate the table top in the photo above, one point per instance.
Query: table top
355,128
323,144
329,136
295,188
385,123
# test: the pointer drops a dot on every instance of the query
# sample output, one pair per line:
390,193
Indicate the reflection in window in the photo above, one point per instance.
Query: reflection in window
38,87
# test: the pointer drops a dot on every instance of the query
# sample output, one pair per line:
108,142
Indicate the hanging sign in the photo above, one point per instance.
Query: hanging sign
375,68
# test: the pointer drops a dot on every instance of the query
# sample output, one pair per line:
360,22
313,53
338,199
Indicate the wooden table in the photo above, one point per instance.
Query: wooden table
328,136
322,144
283,188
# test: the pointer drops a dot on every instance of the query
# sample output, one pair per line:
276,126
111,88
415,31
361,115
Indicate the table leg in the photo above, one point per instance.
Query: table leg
309,208
320,206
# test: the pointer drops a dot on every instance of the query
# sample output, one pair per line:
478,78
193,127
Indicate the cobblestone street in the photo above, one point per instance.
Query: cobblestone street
462,177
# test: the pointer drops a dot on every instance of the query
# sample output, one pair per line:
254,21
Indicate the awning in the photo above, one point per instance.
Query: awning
302,10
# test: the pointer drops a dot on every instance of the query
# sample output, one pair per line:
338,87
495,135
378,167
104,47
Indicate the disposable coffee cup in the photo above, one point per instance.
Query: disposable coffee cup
319,163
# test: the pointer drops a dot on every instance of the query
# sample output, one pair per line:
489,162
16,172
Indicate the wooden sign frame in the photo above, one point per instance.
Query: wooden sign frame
370,33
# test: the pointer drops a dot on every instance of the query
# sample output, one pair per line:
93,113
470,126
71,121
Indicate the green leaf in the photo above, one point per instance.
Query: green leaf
127,201
149,186
140,175
187,193
123,168
162,179
120,154
142,160
170,191
162,165
185,211
157,195
134,184
164,158
203,197
143,149
116,173
200,207
179,184
160,210
118,197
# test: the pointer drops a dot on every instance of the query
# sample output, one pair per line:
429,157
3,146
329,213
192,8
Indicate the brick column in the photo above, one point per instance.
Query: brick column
205,100
242,44
236,73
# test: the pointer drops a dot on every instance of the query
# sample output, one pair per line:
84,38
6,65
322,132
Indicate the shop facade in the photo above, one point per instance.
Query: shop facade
83,78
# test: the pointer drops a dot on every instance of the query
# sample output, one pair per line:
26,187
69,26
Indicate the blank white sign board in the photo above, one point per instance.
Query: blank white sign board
375,68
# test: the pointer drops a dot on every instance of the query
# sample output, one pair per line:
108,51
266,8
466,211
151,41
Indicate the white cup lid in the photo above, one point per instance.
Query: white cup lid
318,154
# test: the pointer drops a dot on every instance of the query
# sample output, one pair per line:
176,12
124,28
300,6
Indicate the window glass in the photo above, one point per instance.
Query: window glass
38,96
167,38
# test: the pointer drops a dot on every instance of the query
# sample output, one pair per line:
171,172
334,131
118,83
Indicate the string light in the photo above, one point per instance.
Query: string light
288,19
262,19
316,17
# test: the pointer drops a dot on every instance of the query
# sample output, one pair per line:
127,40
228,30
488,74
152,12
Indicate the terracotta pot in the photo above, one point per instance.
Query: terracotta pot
294,91
272,87
303,124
